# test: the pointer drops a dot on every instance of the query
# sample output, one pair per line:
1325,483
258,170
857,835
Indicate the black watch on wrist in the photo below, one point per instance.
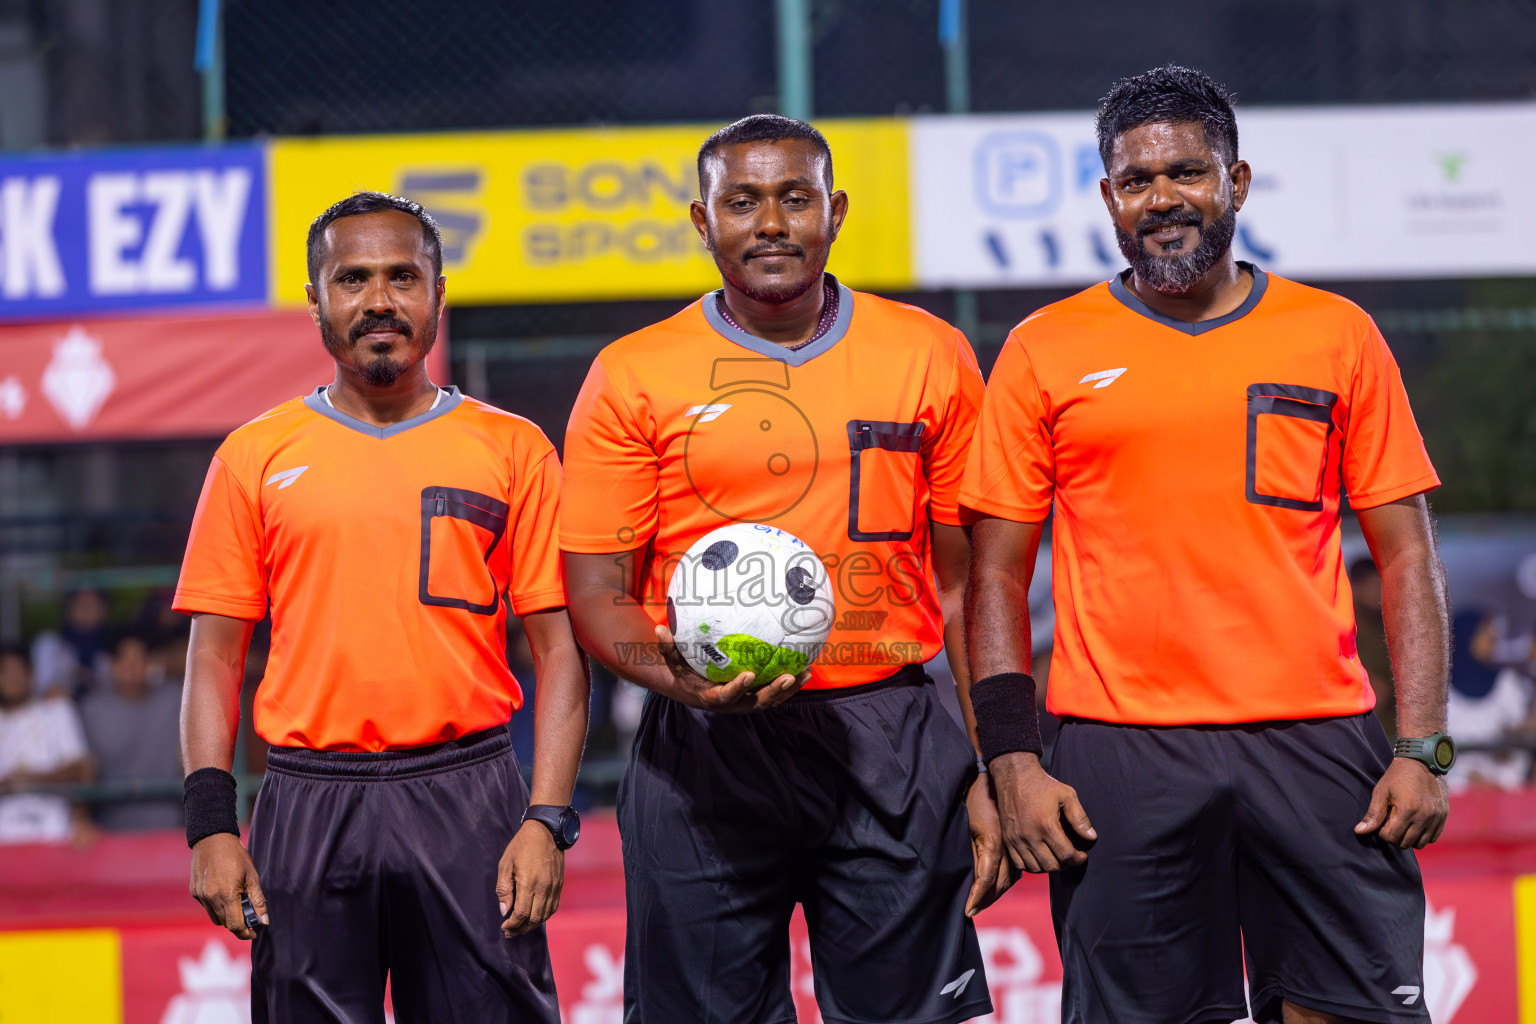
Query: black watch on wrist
564,823
1437,752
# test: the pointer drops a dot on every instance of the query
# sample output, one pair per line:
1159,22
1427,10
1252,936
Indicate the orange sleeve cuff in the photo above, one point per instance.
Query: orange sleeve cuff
1383,495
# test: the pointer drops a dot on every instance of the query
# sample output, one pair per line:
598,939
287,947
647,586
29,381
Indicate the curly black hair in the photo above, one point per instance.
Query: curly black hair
1169,94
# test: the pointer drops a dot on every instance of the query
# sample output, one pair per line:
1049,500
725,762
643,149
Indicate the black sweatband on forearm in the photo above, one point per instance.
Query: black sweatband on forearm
1006,718
208,795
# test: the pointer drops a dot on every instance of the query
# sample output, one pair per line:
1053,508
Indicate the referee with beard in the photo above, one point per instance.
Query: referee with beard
1221,790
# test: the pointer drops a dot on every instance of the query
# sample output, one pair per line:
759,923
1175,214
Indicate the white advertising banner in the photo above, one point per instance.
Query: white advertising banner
1338,192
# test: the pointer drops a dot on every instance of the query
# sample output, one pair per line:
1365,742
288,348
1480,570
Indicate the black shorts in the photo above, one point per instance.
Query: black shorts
376,864
1216,842
849,802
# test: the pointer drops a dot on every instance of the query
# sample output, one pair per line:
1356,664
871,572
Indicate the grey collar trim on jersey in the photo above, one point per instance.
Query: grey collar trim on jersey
1128,299
316,401
796,357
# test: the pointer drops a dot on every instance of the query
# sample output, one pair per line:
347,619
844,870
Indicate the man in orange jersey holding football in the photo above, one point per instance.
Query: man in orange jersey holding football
786,399
390,524
1220,786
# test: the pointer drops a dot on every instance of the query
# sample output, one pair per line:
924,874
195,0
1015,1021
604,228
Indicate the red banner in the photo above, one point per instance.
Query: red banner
182,974
176,968
192,376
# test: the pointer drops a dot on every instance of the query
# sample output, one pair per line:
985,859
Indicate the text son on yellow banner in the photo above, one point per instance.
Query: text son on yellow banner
576,214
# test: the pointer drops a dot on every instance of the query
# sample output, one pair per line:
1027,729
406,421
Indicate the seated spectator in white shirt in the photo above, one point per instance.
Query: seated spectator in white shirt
71,659
131,727
40,742
1487,703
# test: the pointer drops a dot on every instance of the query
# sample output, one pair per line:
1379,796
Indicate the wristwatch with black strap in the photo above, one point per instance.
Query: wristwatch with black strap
1437,752
564,823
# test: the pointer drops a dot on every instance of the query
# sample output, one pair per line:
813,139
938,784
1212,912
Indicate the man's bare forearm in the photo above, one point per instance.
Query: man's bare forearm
1415,610
563,697
609,623
210,701
997,633
951,557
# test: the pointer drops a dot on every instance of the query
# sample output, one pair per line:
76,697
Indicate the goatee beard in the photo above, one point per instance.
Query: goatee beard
1176,274
380,371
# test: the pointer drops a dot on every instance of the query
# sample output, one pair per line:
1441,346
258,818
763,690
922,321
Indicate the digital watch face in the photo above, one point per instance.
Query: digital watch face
1445,753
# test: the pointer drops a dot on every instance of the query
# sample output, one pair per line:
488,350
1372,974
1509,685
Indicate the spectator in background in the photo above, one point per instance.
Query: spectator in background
132,728
1371,640
166,631
40,742
70,659
1486,704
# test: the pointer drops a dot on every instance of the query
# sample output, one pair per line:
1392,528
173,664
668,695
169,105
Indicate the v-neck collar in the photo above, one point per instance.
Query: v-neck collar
763,347
1131,301
317,403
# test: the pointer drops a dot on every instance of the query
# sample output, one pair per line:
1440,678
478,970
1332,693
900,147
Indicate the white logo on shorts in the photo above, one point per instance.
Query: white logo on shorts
958,985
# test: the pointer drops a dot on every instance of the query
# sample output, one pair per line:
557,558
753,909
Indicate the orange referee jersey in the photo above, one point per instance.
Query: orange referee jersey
851,443
1196,471
389,556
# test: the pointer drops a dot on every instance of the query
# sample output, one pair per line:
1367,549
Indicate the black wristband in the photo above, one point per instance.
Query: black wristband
208,795
1006,718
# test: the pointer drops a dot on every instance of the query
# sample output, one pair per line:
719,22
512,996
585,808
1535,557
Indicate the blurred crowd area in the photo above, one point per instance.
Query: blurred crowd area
89,707
89,719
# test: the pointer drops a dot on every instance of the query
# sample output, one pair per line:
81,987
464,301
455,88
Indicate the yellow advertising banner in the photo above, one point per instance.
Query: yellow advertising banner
1525,945
576,214
48,977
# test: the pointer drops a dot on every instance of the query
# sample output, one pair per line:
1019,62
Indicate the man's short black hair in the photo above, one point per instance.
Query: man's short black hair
359,203
1169,95
762,128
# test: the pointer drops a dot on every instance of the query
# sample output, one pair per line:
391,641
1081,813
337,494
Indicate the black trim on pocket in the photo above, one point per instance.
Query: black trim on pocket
483,511
1301,403
886,436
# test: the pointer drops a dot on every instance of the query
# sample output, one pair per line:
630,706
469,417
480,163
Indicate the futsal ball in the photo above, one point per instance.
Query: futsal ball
749,598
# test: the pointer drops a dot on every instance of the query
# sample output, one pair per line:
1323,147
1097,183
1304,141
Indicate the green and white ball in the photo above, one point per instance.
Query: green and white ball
750,598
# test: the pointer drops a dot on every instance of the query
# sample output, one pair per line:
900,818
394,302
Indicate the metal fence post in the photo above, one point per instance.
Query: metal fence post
795,94
209,62
957,94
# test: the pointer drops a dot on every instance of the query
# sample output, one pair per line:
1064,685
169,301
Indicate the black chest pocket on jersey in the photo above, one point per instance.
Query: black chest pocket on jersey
1289,430
885,459
459,530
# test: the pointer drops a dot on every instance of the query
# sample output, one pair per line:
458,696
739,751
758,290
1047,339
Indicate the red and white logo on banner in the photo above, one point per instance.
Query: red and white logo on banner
215,988
1449,972
78,379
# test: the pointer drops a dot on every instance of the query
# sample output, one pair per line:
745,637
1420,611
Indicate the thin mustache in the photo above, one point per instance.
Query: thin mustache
374,323
1157,222
774,250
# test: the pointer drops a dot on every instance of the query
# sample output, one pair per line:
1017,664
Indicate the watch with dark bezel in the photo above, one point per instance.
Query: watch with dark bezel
1437,752
564,823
